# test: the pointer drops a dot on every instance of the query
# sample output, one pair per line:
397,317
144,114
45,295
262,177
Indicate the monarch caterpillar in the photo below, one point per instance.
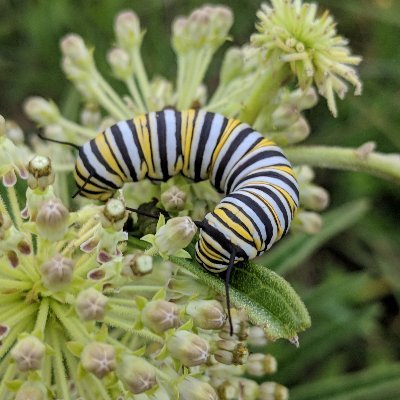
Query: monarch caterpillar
258,181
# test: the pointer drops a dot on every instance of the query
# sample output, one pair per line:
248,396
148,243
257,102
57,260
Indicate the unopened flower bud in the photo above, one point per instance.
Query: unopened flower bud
98,358
308,221
207,314
73,47
188,348
240,326
120,63
257,336
32,391
304,99
114,215
137,265
259,364
127,30
273,391
52,220
91,116
28,353
91,305
284,116
314,197
304,173
173,199
160,315
137,374
194,389
231,352
176,234
40,173
41,110
5,224
296,132
14,132
57,272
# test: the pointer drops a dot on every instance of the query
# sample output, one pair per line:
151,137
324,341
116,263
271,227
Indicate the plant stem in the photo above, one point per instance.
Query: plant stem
131,84
69,125
16,210
59,370
9,374
140,74
385,166
42,315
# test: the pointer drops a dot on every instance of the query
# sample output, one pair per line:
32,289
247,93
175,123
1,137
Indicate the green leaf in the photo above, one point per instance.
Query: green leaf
380,382
268,299
297,248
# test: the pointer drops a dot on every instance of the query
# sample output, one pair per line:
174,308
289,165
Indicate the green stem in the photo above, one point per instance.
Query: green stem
74,127
9,374
14,285
16,210
140,74
59,369
72,325
385,166
264,92
128,326
131,84
42,315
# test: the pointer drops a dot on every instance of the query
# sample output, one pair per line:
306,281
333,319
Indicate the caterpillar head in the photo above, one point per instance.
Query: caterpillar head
91,176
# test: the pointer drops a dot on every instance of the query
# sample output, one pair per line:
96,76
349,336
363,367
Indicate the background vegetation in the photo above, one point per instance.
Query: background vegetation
349,274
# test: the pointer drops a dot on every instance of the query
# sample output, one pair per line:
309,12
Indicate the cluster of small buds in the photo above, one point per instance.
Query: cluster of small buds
10,158
109,232
313,200
316,55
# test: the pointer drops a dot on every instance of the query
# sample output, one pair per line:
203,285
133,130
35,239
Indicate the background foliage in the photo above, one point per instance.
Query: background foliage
348,275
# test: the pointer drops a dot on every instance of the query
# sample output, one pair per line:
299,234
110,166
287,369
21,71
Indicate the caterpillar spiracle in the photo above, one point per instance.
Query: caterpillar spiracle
261,191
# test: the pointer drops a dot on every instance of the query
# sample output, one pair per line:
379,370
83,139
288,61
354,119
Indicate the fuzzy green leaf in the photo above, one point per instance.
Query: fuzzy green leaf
268,299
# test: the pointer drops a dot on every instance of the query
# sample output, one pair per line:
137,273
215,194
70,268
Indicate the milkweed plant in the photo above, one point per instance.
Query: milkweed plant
88,310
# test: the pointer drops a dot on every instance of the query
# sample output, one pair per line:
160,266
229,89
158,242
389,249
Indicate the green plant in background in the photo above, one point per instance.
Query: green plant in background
87,312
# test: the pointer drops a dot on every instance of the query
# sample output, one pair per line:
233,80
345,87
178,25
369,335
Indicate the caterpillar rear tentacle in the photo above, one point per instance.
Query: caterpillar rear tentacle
261,191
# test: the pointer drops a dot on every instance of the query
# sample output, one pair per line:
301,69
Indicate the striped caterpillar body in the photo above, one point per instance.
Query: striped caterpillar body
258,181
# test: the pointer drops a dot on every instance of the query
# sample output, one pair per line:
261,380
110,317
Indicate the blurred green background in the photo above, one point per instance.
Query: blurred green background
349,275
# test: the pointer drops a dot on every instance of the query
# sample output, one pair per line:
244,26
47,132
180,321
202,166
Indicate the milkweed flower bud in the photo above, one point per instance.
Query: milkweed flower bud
91,116
114,215
188,348
273,391
314,197
91,305
28,353
137,374
194,389
137,265
127,30
259,364
284,116
40,173
173,199
296,132
120,63
52,220
57,272
231,352
304,99
32,391
98,358
207,314
73,47
240,326
160,315
176,234
257,336
308,222
41,110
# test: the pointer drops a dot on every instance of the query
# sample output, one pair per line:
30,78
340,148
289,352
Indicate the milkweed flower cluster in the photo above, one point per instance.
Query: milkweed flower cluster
81,319
84,314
